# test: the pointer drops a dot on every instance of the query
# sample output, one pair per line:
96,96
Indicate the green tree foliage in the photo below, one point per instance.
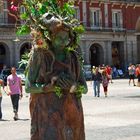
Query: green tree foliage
34,9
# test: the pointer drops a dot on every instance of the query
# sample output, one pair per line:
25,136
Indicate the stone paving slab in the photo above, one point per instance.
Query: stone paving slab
116,117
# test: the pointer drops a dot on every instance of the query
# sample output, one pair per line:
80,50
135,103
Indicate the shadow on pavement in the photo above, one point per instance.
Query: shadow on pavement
23,119
132,96
3,120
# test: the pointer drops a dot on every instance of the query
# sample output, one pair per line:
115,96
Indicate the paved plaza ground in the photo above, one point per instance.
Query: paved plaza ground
116,117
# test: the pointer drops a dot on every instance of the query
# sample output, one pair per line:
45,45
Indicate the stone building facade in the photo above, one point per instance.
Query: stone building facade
12,49
110,36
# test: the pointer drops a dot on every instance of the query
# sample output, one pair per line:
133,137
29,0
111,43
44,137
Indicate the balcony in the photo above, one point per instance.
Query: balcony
124,0
115,28
97,0
105,29
4,23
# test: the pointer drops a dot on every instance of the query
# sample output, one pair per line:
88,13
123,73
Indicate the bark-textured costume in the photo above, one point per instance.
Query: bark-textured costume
55,81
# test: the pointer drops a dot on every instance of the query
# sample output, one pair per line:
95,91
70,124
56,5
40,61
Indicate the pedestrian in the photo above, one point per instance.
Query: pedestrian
138,74
114,72
1,86
105,81
131,72
96,77
109,72
14,86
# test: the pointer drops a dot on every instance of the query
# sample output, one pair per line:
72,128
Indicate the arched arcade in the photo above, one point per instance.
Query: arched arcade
96,54
4,55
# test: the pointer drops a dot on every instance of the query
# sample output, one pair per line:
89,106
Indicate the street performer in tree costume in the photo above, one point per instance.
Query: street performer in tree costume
54,76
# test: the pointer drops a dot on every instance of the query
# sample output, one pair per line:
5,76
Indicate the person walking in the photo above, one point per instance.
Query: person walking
1,86
96,77
105,81
138,74
109,72
14,90
131,72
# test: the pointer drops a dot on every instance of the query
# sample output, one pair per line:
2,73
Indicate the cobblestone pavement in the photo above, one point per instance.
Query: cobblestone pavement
116,117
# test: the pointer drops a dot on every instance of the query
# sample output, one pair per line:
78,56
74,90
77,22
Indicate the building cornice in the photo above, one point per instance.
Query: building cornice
113,2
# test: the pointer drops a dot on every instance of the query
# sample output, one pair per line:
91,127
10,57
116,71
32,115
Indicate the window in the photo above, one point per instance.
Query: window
22,10
3,13
95,18
77,13
116,19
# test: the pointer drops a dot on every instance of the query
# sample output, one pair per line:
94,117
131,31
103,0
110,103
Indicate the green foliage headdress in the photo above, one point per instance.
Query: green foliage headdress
47,16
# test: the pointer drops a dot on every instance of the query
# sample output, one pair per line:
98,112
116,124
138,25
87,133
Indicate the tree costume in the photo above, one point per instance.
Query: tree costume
54,76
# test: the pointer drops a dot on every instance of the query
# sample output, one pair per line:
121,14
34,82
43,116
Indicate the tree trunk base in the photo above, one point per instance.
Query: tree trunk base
54,118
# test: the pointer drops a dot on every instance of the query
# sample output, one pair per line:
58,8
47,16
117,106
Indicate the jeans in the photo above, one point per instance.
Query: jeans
0,108
96,86
15,102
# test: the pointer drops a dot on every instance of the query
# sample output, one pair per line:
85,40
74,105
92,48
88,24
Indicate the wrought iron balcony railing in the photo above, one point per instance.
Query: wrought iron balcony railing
112,28
126,0
4,23
99,26
105,29
112,0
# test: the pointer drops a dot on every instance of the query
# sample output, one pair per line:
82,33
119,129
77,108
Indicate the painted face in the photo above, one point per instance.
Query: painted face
61,39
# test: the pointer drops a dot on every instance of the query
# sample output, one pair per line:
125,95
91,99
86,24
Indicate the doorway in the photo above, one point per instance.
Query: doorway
96,55
117,54
2,55
25,48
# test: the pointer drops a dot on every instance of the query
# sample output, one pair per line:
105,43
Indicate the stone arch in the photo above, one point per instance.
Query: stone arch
25,48
4,55
96,54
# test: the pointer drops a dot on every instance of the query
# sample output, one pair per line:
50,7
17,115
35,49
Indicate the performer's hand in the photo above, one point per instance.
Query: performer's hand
48,88
53,80
73,89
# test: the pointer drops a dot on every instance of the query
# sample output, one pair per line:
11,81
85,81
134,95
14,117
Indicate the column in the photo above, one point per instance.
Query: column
17,51
134,52
138,49
125,53
84,6
12,53
85,51
108,48
129,52
106,14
